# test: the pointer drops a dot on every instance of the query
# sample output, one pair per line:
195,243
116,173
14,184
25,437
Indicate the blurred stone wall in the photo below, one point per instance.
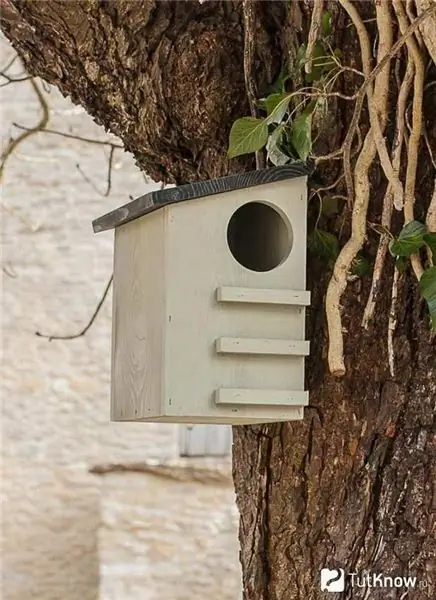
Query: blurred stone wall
57,517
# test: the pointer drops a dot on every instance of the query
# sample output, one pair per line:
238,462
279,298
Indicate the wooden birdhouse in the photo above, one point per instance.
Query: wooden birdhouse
208,301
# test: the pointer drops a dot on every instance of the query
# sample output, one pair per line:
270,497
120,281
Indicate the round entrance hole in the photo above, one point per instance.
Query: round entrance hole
259,237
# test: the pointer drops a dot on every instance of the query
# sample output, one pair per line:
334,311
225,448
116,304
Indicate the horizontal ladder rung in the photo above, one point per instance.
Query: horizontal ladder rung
230,345
259,296
262,397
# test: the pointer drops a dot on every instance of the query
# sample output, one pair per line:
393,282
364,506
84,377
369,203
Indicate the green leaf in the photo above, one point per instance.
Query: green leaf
324,245
301,137
331,206
410,240
360,266
326,22
280,83
401,264
430,240
276,107
275,154
301,57
427,287
247,135
321,63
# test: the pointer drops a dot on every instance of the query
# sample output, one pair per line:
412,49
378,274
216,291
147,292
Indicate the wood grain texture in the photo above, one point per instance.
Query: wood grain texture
263,296
150,202
139,321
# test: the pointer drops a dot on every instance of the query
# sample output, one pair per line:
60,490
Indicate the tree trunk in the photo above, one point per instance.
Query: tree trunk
353,485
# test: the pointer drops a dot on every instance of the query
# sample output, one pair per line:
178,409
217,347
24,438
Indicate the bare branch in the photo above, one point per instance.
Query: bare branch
370,79
10,80
392,324
14,143
415,55
315,25
338,282
403,94
72,136
108,177
90,323
9,64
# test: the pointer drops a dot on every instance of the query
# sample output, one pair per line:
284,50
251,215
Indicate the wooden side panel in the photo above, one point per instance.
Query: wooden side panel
139,319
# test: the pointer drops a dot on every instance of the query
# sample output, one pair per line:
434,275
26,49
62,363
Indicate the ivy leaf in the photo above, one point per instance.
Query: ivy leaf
430,240
247,135
276,107
326,22
401,264
324,245
275,154
301,57
410,240
280,83
331,206
427,287
321,63
360,266
301,137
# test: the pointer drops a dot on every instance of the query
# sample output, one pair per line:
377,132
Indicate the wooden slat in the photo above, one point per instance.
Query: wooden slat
263,296
230,345
149,202
262,397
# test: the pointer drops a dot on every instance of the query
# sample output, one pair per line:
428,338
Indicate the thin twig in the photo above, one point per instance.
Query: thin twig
430,220
10,80
386,218
14,143
370,79
72,136
338,282
10,63
312,37
327,187
108,178
415,55
90,323
109,171
376,116
392,323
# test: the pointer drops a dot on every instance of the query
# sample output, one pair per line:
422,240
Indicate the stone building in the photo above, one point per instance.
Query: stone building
91,509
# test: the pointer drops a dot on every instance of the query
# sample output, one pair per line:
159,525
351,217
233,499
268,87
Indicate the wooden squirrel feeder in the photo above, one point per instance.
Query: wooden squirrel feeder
209,301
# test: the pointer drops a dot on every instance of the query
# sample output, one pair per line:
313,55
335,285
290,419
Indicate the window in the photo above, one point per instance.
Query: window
205,440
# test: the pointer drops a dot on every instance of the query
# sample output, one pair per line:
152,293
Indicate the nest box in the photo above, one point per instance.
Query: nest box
208,301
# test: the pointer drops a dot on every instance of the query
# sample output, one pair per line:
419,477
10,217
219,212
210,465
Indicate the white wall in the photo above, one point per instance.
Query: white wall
55,395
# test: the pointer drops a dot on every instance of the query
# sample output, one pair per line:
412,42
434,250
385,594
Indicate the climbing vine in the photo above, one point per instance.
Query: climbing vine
285,125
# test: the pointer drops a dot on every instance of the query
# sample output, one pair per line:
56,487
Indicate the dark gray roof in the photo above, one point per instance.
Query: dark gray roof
150,202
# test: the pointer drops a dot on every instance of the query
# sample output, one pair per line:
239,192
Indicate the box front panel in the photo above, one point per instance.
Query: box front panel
200,261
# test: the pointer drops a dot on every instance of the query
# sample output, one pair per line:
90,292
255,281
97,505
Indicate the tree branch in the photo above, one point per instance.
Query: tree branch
14,143
90,323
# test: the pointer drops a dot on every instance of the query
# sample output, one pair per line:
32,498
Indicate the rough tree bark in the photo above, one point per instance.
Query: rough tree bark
354,484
